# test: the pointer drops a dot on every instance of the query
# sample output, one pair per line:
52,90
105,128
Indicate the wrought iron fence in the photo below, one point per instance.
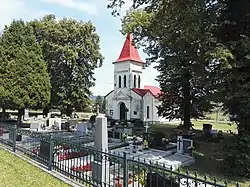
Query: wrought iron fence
75,157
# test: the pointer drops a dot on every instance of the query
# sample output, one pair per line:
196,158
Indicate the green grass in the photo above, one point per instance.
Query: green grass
15,172
208,155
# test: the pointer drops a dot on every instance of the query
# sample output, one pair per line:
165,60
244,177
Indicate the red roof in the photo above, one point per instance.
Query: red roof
154,90
129,51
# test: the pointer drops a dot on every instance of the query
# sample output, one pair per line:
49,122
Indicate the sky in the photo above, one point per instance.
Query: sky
108,28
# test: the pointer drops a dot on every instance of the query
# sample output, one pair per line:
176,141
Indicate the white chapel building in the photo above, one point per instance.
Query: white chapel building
130,99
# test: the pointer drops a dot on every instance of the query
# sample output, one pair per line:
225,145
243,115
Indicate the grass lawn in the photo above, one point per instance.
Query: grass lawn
208,155
16,172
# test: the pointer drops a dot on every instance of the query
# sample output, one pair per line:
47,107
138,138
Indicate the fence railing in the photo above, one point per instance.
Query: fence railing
75,157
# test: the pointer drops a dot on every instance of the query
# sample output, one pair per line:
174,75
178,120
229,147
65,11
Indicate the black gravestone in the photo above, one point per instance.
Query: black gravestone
110,134
44,149
157,180
186,145
118,135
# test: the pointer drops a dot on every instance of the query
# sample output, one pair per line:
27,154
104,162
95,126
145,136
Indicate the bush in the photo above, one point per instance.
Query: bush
237,157
138,123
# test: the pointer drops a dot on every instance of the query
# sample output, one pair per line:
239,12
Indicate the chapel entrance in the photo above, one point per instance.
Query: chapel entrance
122,111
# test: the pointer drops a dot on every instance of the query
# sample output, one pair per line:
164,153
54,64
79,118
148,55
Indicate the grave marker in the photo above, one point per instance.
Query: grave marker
100,165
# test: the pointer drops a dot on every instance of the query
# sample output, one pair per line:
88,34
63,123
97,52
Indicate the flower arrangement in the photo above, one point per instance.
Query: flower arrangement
70,155
82,168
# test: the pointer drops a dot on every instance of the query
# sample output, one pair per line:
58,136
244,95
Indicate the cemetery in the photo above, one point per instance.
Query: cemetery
75,149
178,117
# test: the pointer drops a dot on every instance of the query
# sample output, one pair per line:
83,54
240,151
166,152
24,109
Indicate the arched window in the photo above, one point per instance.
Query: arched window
139,81
134,81
125,81
120,82
147,111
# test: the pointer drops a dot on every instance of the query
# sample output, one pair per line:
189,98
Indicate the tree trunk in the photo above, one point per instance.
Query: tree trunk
187,103
46,111
19,119
244,127
4,112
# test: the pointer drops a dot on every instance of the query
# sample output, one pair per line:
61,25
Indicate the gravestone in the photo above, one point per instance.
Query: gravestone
82,128
128,131
55,123
184,145
44,149
100,165
187,146
26,114
35,126
157,180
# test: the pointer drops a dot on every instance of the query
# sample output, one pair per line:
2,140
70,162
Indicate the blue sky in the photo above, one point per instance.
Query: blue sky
94,10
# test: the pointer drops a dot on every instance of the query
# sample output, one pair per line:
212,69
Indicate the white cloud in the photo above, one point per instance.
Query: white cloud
17,9
75,4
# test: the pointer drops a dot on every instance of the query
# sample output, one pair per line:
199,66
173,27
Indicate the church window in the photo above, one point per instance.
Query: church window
147,111
139,81
125,81
134,81
120,82
135,112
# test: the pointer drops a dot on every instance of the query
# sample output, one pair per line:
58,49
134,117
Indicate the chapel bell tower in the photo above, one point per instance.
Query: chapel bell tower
128,68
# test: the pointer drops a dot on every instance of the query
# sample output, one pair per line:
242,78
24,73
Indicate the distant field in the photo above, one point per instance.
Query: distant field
217,116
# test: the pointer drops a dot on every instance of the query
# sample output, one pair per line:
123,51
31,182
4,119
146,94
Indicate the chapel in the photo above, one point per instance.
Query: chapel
130,98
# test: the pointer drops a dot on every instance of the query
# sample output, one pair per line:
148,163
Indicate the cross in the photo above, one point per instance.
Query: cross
146,127
179,140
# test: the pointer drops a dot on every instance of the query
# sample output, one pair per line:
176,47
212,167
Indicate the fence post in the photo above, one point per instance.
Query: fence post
125,169
14,131
51,152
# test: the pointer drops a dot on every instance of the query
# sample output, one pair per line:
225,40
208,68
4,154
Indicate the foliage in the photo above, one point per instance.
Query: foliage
178,35
24,81
100,103
138,123
237,157
72,52
234,32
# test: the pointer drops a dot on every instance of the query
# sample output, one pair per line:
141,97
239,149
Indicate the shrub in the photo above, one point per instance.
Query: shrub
138,123
237,157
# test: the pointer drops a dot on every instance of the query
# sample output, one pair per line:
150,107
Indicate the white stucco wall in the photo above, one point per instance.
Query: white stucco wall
109,104
136,106
149,100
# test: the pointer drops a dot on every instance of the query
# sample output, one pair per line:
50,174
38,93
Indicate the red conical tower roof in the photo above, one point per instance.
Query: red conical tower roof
129,52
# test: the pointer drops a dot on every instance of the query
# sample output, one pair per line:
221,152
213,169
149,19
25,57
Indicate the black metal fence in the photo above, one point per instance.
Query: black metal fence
74,156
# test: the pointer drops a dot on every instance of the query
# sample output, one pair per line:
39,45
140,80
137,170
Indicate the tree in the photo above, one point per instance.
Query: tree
24,81
234,32
72,52
178,36
100,103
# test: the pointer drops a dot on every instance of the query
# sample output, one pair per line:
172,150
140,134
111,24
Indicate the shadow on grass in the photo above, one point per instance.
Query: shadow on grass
209,156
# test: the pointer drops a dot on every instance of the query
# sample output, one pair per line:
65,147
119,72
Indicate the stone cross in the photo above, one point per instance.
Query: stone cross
179,144
147,127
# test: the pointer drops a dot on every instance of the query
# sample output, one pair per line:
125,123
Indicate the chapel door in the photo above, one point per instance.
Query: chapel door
122,111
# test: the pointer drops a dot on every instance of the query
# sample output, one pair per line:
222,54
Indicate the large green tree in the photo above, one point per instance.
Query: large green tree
24,81
178,35
72,51
234,32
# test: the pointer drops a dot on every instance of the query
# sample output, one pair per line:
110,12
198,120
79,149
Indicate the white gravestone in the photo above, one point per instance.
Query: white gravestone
183,145
100,165
82,127
35,126
26,114
55,122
